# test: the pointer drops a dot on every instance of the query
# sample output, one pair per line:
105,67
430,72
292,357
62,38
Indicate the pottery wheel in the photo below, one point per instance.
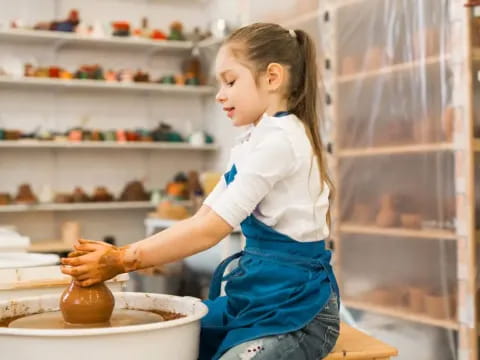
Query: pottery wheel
54,320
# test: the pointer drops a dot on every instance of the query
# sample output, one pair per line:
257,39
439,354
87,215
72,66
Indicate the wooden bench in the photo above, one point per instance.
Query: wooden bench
355,345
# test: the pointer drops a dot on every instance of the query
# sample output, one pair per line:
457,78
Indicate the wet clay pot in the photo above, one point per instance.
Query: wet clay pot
87,305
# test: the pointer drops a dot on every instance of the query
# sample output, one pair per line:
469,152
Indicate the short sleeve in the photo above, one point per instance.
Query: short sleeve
270,160
216,192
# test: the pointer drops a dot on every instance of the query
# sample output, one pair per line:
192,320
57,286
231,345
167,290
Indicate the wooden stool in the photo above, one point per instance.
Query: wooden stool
355,345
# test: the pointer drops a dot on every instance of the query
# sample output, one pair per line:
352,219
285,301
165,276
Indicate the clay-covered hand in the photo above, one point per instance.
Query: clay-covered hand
94,262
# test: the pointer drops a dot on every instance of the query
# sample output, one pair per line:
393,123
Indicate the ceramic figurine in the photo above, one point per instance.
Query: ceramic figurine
79,195
121,28
67,25
25,195
134,191
5,199
101,194
387,215
176,31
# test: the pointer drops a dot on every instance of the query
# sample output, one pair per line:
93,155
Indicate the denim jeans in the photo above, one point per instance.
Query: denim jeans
314,342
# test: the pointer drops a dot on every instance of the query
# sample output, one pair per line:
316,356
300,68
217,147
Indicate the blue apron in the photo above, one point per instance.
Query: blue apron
278,286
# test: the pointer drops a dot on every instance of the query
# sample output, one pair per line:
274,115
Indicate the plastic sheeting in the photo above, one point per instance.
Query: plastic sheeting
393,121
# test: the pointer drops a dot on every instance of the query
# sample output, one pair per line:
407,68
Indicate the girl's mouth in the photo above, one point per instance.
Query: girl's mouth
230,111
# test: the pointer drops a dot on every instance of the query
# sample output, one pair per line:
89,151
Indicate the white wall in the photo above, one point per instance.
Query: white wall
64,169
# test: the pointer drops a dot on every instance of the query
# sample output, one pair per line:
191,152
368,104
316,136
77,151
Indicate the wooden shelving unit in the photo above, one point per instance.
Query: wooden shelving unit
433,234
396,150
393,69
400,313
377,95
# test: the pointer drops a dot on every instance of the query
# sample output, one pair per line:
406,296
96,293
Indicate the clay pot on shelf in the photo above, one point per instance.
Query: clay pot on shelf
387,215
349,65
411,220
79,196
5,199
63,198
440,306
416,299
25,195
363,214
387,296
101,194
87,305
134,191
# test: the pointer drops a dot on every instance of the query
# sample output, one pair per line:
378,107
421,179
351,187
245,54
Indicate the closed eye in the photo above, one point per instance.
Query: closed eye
230,84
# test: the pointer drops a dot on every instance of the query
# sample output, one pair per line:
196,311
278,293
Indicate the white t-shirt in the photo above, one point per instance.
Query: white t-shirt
277,180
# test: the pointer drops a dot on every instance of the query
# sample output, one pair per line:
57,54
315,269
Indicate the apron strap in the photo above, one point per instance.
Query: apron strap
216,284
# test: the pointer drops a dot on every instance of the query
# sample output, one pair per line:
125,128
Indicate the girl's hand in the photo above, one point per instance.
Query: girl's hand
94,262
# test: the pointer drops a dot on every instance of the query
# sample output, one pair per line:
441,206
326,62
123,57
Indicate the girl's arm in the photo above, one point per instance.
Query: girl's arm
100,261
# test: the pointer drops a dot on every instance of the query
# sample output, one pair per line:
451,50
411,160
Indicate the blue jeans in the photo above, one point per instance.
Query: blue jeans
314,342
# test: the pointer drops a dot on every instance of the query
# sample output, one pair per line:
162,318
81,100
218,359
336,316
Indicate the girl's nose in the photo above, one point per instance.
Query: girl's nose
220,97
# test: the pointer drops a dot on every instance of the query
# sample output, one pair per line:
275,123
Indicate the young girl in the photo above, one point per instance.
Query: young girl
282,299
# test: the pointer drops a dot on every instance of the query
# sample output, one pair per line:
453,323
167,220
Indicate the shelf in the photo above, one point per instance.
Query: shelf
49,246
394,150
59,38
349,228
392,69
35,144
114,205
401,314
42,83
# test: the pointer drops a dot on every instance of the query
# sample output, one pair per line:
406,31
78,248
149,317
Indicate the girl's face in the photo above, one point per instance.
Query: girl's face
242,98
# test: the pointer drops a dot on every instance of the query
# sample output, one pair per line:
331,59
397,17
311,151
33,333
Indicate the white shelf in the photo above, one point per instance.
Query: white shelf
75,40
389,70
47,83
401,314
114,205
36,144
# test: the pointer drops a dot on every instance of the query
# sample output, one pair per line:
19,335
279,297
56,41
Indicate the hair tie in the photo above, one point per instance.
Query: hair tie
292,33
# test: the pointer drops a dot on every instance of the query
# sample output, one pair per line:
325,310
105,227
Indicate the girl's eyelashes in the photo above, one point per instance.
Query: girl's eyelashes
230,83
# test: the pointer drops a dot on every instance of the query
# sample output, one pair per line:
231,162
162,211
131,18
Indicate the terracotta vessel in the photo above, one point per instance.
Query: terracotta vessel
87,305
387,215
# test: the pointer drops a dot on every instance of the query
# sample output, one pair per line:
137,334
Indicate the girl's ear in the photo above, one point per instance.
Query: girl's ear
275,76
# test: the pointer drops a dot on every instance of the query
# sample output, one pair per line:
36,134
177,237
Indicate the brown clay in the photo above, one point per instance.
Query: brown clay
79,195
416,299
387,296
363,214
387,215
134,191
101,194
5,199
25,195
440,306
87,305
411,221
